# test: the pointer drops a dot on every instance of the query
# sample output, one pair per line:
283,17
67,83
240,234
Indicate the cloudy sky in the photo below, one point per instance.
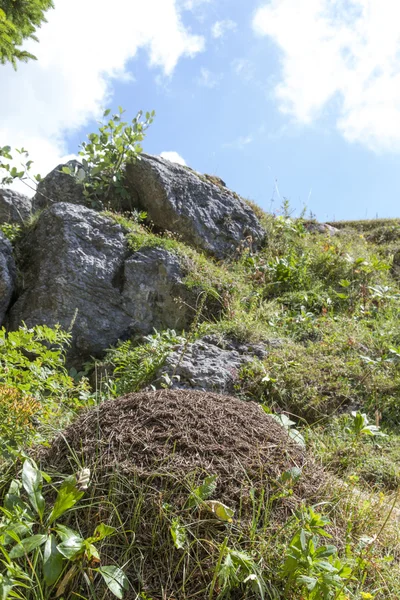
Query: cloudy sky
280,98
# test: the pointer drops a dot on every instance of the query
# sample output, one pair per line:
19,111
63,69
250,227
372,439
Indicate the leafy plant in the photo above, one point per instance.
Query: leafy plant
12,231
32,370
288,425
314,569
18,21
360,426
10,171
105,155
41,555
235,569
17,411
135,366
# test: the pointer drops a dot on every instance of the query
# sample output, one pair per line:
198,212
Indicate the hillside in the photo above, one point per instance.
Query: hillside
221,385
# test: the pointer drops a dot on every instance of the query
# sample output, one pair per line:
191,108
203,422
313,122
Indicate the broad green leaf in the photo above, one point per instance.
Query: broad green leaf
178,534
297,437
204,491
26,545
53,561
32,482
102,531
326,551
68,495
71,546
309,582
220,510
292,475
115,579
65,532
6,585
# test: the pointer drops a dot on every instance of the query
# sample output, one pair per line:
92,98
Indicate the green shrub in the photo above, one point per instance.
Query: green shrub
32,364
133,367
41,557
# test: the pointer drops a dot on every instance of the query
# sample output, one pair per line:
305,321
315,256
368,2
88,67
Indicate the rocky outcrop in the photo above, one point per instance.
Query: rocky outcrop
7,275
77,271
209,364
58,187
15,208
313,227
201,210
153,292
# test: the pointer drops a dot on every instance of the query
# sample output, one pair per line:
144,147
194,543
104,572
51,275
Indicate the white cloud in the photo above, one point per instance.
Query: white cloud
244,68
82,49
340,55
208,79
221,28
173,156
192,4
240,142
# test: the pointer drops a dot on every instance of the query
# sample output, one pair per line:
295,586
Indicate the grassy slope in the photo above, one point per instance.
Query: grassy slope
335,305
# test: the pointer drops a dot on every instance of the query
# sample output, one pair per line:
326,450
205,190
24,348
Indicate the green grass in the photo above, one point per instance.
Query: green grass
334,305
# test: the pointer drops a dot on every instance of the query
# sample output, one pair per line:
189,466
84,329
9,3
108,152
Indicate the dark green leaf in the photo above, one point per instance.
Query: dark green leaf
26,545
53,561
115,579
68,496
71,546
32,483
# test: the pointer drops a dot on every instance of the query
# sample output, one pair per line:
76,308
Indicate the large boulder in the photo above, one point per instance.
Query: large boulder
7,275
58,187
14,207
200,209
209,364
153,291
78,271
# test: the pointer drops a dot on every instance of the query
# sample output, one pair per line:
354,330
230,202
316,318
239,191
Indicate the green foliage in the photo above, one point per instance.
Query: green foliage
19,20
10,169
236,569
314,569
293,433
17,412
361,426
41,557
12,231
133,367
32,374
104,157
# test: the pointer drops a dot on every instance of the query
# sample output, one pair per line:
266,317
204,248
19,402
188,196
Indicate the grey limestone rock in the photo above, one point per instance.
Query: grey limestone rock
154,294
78,271
15,208
312,227
199,208
209,364
58,187
7,275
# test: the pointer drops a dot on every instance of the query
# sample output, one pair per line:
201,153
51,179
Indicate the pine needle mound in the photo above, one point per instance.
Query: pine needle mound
148,451
181,432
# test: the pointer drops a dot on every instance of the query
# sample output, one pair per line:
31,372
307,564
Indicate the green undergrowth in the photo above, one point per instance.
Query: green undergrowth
327,309
202,272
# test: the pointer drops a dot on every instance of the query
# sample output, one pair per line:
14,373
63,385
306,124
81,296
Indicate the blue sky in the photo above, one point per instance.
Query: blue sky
286,98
